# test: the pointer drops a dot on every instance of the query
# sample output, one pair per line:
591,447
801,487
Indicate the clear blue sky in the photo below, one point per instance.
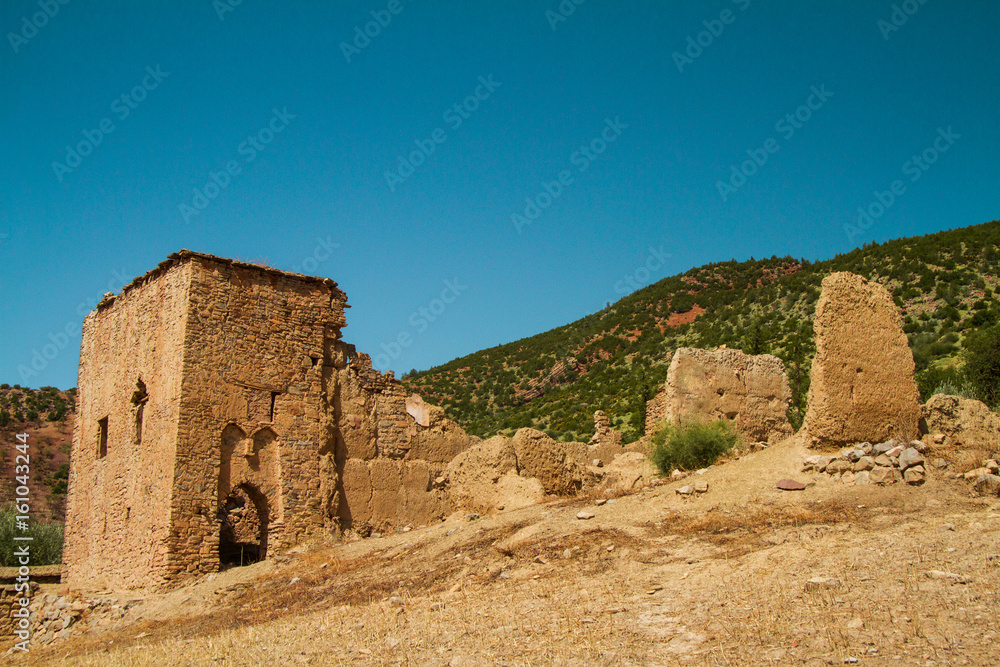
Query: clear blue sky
311,129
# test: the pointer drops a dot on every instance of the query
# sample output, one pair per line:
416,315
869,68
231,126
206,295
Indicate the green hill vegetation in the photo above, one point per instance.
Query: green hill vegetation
945,285
19,404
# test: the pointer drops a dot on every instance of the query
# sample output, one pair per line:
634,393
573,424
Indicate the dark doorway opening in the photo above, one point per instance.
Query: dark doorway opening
243,531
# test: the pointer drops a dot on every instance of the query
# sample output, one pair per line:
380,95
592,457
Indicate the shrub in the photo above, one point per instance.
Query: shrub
982,363
691,446
953,388
46,547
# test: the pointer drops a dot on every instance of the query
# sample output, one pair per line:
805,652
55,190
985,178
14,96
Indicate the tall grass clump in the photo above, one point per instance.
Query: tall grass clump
691,446
44,549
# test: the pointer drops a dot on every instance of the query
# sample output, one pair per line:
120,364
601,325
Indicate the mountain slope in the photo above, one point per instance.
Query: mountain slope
613,360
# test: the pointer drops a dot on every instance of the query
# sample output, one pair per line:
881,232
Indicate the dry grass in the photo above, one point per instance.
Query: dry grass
671,584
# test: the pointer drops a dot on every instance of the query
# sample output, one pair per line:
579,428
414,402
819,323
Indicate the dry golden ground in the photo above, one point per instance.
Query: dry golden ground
653,579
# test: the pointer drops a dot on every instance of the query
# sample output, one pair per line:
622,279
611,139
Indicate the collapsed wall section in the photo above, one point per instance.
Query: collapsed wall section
751,391
395,449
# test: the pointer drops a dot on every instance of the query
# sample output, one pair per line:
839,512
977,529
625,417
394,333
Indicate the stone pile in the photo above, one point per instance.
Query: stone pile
986,479
60,617
885,463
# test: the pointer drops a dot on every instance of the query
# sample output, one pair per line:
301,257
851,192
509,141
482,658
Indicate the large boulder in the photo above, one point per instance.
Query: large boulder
861,384
964,422
750,391
630,471
485,477
543,458
515,472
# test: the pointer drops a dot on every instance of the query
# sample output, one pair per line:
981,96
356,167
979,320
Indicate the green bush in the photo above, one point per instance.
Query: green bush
982,363
45,548
963,389
692,446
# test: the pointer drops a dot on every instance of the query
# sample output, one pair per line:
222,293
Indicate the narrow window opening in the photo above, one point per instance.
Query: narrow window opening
139,398
274,396
102,438
315,360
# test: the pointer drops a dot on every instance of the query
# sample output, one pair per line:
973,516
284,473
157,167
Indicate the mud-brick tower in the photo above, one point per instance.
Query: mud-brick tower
203,401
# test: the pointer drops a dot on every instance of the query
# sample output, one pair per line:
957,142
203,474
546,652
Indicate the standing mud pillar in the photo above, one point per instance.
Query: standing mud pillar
861,386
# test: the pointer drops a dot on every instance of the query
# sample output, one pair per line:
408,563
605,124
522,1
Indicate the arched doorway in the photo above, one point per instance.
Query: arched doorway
243,517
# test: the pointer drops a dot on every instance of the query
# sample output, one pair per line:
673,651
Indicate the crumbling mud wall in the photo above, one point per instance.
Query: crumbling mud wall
395,449
606,443
861,384
516,472
708,385
656,411
964,422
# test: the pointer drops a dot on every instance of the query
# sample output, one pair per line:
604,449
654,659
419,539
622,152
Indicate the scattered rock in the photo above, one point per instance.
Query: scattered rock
600,501
822,583
987,485
864,463
914,475
862,478
847,478
816,462
838,466
883,460
946,527
701,487
585,515
946,576
883,447
790,485
910,457
940,464
881,475
686,490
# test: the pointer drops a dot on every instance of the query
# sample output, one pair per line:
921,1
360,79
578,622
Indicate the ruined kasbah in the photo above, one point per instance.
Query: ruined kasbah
222,421
222,418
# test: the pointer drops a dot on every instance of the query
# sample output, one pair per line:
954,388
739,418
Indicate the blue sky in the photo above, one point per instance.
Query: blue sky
629,135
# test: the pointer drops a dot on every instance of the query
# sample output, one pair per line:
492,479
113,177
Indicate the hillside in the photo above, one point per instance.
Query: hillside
613,360
46,415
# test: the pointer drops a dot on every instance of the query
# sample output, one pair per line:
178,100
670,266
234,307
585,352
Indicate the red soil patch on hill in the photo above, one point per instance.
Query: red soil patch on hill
677,319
